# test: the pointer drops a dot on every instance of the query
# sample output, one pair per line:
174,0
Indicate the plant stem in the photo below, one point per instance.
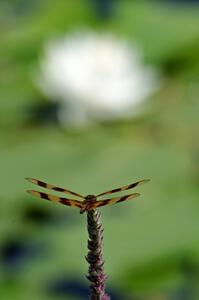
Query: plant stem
96,273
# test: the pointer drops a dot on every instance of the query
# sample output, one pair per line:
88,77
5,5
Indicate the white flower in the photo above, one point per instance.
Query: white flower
94,76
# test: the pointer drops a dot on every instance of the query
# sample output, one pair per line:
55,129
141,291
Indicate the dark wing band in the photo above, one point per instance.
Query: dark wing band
124,188
53,187
65,201
113,200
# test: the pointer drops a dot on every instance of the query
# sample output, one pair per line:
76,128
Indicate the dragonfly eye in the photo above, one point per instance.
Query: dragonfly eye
90,198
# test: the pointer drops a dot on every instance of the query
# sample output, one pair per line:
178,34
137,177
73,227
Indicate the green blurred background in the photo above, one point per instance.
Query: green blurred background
151,245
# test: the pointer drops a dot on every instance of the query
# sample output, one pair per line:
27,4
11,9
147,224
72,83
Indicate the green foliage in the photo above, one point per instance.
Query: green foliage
162,226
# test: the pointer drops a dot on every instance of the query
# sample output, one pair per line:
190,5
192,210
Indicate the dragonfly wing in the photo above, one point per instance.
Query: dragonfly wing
113,200
53,187
65,201
124,188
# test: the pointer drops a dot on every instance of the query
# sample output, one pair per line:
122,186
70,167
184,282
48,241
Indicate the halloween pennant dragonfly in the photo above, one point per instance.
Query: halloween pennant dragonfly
89,202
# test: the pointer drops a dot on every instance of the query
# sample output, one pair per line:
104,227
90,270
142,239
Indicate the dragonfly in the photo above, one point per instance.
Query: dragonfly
89,202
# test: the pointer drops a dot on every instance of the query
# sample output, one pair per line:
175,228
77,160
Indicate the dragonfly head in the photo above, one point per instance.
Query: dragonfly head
89,199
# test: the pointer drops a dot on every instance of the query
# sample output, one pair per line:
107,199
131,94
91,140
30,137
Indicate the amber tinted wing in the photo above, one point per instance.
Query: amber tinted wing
53,187
113,200
124,188
65,201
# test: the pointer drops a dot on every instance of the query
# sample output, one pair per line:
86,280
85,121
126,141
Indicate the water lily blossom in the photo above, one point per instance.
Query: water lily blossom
94,77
